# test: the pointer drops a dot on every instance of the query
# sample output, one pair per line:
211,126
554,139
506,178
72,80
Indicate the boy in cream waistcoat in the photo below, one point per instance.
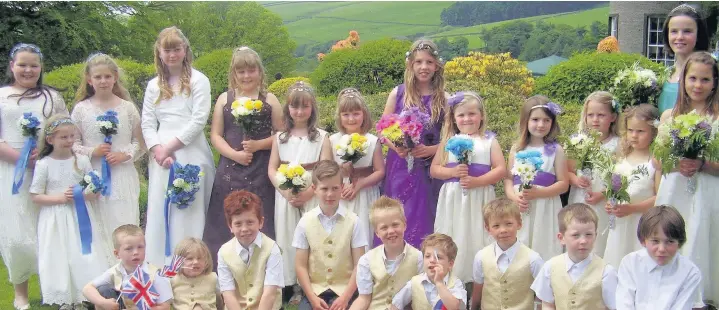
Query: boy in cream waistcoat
129,243
658,277
504,271
384,270
436,287
577,279
195,286
329,242
249,266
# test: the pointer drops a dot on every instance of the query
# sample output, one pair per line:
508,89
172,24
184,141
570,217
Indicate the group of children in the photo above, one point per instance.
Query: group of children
315,240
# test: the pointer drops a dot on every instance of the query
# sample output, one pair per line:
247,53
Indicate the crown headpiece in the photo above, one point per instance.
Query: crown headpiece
685,6
350,93
301,86
424,46
56,123
25,46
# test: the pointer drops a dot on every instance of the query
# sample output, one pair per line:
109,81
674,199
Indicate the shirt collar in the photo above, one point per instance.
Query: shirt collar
580,265
652,264
341,211
425,279
510,252
257,242
399,257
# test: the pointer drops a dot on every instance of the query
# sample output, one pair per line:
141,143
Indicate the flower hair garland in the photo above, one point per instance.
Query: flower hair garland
554,108
424,46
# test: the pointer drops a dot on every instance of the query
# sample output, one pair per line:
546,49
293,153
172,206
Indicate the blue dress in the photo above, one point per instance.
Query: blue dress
668,97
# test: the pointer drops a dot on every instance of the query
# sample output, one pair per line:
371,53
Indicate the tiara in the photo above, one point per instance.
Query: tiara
56,123
424,46
350,93
685,6
243,48
301,86
93,55
24,46
556,109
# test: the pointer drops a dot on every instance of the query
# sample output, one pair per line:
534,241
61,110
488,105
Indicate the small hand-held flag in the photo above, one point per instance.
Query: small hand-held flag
173,268
439,306
140,290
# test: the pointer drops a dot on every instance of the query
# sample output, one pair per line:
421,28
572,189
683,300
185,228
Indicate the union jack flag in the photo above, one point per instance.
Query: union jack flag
140,290
173,268
439,306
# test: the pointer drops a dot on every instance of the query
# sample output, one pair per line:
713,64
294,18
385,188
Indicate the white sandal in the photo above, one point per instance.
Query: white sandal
23,307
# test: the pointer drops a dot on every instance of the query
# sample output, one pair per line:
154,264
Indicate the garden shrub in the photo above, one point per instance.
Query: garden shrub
572,81
279,87
491,70
215,65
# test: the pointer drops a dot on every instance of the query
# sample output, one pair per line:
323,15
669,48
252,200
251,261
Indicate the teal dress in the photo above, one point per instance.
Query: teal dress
668,97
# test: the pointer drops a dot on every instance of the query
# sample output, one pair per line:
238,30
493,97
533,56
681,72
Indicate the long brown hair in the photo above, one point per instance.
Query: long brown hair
242,58
412,97
683,105
168,38
523,136
644,112
86,91
299,93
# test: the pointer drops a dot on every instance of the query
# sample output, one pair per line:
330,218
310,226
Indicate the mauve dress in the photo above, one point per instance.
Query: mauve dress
417,191
232,176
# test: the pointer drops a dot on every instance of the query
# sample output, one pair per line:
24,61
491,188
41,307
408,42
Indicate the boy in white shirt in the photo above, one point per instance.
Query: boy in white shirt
504,270
383,270
577,279
658,277
436,284
129,242
329,243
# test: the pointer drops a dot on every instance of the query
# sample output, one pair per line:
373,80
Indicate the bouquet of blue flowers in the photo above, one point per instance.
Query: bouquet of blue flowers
529,163
462,147
29,125
185,184
108,123
92,183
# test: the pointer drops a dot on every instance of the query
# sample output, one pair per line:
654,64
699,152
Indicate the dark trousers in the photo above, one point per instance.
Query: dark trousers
328,296
108,291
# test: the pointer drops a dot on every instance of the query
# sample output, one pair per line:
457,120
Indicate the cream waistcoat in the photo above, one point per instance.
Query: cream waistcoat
586,293
330,261
386,285
188,292
511,289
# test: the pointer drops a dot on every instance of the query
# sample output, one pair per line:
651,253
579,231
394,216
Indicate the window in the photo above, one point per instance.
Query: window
654,49
613,29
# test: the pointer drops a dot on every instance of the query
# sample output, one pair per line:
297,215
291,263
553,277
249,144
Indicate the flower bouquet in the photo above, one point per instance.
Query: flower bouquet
462,147
690,136
245,111
404,130
91,183
580,148
108,123
617,178
185,184
352,147
636,85
528,164
29,125
293,177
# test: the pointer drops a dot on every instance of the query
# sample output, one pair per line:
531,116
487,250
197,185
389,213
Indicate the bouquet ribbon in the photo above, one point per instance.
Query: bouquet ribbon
21,164
83,219
475,170
106,175
168,248
543,178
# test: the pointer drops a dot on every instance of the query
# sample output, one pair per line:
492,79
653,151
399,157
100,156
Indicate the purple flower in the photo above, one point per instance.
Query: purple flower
550,148
488,134
455,99
554,108
616,182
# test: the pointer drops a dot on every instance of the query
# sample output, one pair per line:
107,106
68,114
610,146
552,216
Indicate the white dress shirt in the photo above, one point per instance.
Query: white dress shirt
542,285
161,284
364,276
404,296
359,237
645,285
504,259
273,271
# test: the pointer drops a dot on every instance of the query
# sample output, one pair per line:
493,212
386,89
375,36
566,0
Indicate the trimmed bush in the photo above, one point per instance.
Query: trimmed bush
215,65
573,80
374,67
279,87
499,71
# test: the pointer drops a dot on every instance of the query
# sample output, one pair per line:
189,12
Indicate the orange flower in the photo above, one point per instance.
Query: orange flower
321,56
608,45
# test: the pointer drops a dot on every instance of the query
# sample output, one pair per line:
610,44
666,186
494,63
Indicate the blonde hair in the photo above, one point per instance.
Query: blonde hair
412,97
500,208
579,212
606,99
449,128
297,94
172,37
442,242
384,203
527,108
49,128
683,105
350,100
644,112
124,231
86,91
243,58
189,246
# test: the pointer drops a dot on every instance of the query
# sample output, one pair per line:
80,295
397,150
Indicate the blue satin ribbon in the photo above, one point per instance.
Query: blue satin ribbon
168,248
83,219
21,164
106,175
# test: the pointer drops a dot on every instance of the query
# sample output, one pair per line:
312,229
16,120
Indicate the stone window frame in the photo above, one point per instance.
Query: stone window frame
613,22
665,59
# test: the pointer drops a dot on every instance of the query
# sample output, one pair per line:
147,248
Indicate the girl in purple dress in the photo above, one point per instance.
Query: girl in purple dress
424,88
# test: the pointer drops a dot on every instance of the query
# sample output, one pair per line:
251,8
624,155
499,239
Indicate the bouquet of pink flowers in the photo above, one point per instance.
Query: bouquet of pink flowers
404,130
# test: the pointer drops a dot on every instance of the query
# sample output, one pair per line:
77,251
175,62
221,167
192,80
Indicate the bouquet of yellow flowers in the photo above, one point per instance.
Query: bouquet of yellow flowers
293,177
351,148
245,111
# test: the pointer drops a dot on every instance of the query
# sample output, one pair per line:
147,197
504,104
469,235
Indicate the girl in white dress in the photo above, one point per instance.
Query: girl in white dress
467,188
637,136
361,179
600,113
63,268
101,91
305,144
174,114
698,91
18,223
540,204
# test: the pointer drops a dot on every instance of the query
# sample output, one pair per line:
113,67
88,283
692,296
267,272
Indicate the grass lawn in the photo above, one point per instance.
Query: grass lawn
7,292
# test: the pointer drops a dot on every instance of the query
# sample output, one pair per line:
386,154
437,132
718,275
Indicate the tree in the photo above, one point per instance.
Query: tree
507,38
449,49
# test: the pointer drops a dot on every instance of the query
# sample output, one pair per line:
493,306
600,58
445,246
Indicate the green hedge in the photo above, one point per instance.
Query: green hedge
279,87
357,68
215,65
573,80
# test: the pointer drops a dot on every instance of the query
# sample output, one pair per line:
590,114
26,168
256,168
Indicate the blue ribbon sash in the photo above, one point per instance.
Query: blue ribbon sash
168,248
83,219
106,173
21,164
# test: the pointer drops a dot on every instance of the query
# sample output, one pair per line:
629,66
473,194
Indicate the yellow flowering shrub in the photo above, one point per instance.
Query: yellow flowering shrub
490,70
